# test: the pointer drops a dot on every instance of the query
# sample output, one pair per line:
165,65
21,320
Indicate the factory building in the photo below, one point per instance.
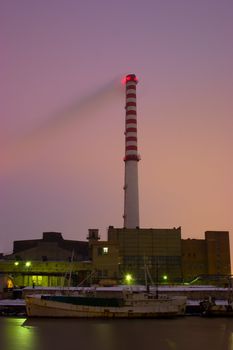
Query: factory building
147,255
105,259
207,257
52,247
153,254
50,261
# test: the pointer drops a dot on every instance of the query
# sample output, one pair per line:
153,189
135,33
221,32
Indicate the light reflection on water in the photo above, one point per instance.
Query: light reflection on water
190,333
16,336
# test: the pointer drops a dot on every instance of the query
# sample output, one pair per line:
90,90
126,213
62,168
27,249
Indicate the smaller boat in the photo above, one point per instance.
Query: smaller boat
89,304
212,308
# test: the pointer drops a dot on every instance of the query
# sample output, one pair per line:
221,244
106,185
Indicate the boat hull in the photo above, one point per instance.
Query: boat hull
37,307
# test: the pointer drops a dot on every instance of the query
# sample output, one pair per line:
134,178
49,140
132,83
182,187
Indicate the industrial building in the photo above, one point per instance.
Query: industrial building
52,247
152,255
155,252
49,261
207,257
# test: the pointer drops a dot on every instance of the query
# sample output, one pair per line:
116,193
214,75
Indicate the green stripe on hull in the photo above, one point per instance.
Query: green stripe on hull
87,301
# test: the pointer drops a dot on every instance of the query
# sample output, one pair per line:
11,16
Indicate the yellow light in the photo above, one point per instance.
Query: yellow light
128,278
28,263
16,263
165,277
10,283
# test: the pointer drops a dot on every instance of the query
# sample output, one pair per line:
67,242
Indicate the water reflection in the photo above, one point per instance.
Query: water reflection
190,333
16,336
230,345
105,333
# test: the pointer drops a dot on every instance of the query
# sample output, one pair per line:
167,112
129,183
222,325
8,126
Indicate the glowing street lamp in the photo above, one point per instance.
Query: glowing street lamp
128,278
28,263
165,278
16,263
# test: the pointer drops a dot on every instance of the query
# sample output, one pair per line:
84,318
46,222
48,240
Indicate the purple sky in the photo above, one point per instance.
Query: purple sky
62,115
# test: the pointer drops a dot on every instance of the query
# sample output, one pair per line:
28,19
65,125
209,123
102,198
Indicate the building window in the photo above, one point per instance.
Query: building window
37,280
102,250
105,250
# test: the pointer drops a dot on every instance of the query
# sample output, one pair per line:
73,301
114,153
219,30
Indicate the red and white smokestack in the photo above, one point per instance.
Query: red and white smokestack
131,202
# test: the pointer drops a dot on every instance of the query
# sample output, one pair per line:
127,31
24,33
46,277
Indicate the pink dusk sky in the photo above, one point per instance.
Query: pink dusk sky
62,115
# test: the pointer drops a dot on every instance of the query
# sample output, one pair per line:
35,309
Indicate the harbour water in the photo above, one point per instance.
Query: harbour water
188,333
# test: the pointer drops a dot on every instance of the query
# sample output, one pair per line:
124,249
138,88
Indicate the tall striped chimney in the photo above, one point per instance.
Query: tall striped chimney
131,203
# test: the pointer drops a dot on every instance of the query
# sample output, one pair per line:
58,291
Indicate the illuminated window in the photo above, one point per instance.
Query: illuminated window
10,283
37,280
105,250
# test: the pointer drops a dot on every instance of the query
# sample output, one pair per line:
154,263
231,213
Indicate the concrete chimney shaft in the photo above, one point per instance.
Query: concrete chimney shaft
131,201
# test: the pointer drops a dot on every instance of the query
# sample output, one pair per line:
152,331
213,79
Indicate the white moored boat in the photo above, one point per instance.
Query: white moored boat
129,305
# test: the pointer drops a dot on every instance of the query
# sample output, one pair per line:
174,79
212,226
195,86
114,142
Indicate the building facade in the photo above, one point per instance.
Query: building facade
152,254
207,259
51,261
52,247
147,255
